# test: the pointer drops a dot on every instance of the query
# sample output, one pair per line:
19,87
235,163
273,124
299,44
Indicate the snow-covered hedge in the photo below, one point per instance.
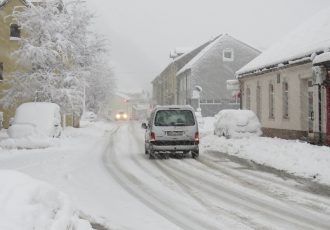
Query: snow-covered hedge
30,204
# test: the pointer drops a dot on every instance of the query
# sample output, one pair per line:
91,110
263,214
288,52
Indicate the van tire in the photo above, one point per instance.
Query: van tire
151,155
195,154
145,149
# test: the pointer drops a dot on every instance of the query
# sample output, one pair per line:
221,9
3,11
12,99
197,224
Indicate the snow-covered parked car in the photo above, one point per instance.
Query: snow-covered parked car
89,116
237,123
36,119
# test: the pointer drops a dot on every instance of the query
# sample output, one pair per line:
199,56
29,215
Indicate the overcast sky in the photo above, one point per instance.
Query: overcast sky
143,32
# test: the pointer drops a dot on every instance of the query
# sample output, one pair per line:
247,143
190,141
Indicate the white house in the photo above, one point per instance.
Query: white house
287,87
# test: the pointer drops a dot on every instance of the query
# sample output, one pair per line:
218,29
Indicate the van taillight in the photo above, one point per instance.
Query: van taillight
197,137
152,136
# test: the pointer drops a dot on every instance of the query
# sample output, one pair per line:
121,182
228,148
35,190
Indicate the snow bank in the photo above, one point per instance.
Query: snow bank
33,205
298,158
28,143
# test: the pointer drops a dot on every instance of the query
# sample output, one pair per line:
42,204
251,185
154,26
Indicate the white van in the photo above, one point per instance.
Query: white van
172,129
36,119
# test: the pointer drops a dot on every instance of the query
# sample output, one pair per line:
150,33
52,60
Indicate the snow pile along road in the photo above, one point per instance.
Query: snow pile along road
30,204
29,142
295,157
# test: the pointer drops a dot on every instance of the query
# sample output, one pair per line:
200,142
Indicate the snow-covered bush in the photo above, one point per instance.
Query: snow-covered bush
236,124
30,204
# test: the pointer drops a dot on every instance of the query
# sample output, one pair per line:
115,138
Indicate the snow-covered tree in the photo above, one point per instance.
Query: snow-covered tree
59,54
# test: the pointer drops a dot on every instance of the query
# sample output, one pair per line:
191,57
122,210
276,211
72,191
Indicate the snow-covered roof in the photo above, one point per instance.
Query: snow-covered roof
200,54
123,95
177,52
313,36
324,57
183,59
141,106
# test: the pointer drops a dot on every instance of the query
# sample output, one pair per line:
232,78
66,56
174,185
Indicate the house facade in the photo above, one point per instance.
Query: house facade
164,86
287,88
208,72
9,35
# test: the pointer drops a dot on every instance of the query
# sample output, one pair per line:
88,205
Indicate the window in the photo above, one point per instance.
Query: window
228,55
15,31
248,98
174,118
271,100
259,101
285,100
1,71
278,78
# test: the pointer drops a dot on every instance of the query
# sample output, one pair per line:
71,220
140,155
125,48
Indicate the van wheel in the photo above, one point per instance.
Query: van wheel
151,154
195,154
145,149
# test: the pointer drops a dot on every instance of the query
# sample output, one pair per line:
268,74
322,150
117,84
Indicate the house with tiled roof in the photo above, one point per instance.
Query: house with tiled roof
208,72
287,86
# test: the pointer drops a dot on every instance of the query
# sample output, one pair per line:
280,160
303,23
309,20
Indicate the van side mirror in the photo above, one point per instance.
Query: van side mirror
144,126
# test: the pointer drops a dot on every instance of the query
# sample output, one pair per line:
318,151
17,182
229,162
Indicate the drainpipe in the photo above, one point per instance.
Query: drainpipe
319,80
320,114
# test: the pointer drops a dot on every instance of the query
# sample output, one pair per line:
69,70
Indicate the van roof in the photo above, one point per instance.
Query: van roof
178,107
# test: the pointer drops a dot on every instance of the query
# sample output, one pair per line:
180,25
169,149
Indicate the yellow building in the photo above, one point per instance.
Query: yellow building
9,36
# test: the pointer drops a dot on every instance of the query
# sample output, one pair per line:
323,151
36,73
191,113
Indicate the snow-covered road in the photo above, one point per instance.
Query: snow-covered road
212,192
104,169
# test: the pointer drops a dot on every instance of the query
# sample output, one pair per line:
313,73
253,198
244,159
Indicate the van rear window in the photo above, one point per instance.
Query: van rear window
174,118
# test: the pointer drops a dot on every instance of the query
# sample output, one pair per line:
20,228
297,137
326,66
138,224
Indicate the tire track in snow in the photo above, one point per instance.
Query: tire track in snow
135,187
252,182
216,212
262,184
226,174
280,212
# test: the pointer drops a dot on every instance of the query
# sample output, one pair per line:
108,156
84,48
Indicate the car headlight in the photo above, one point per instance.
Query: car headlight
125,115
118,116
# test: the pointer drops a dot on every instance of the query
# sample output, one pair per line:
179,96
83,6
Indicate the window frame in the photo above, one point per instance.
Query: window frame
259,101
271,100
285,99
228,50
1,71
248,98
15,32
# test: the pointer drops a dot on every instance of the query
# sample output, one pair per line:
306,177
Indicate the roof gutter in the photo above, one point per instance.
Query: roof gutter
274,68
